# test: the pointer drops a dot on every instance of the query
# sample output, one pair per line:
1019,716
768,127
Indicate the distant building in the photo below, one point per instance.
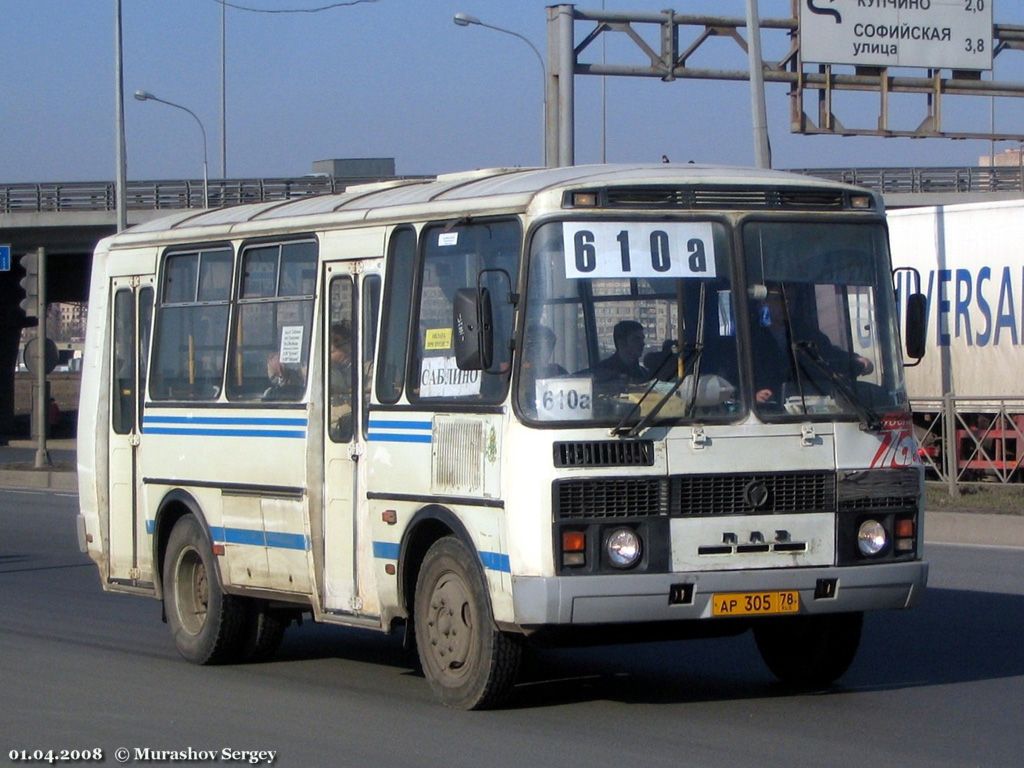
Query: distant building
1006,158
357,168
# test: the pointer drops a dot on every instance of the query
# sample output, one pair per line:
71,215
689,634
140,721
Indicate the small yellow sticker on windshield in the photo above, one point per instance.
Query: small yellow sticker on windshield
438,338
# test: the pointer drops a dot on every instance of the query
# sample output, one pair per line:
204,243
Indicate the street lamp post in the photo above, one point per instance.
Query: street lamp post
465,20
146,96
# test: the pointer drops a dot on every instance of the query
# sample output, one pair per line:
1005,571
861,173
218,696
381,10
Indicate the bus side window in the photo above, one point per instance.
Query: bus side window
123,363
269,351
340,371
397,303
370,307
191,325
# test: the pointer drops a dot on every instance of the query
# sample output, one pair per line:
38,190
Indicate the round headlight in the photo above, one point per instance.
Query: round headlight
623,547
871,538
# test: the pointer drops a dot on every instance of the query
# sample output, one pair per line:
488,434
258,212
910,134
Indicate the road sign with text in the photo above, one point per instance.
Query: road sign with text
938,34
5,258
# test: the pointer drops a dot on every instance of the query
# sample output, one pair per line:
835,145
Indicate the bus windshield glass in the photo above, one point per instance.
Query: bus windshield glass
823,339
629,321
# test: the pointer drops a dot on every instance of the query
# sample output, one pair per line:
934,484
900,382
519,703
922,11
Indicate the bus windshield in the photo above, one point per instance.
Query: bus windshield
823,339
630,323
629,320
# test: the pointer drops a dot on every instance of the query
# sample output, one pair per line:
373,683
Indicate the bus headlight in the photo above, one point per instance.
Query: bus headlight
623,547
871,538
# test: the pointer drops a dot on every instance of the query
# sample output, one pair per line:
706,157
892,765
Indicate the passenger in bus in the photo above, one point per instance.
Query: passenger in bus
774,355
339,381
538,349
286,383
623,367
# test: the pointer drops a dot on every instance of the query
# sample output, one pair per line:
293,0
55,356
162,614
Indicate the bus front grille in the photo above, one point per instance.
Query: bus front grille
695,495
604,453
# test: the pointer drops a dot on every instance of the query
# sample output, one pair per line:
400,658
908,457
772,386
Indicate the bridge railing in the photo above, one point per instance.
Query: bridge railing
177,194
938,179
157,195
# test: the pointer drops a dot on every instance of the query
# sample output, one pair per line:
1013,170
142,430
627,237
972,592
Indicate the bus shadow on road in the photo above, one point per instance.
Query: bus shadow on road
953,636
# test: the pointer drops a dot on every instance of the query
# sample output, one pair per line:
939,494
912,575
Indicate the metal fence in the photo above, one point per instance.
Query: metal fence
971,439
158,195
909,180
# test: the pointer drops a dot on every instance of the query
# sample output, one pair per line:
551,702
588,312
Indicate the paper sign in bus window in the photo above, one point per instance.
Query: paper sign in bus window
604,249
291,345
565,399
442,377
438,338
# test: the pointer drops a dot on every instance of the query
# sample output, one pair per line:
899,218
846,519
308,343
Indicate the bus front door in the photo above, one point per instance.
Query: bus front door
351,311
129,561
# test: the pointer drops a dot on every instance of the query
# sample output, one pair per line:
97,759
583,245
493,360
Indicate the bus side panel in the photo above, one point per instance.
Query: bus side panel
94,417
486,529
249,478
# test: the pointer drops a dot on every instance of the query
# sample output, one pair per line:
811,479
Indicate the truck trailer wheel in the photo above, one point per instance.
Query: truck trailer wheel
809,651
206,624
468,662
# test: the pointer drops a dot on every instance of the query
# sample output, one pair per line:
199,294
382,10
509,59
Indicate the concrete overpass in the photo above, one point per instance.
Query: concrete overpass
68,219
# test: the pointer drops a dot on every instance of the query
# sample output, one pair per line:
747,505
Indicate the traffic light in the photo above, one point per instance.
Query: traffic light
30,284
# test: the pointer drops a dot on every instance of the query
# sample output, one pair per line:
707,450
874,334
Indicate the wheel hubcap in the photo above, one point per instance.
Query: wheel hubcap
450,624
192,591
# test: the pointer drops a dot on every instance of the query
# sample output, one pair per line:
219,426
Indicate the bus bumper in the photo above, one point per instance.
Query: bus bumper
620,598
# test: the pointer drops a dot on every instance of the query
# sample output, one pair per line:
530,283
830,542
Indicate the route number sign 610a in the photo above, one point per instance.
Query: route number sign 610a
604,249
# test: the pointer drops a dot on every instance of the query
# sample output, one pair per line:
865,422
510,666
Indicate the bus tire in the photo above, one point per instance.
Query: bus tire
468,662
809,651
263,631
206,623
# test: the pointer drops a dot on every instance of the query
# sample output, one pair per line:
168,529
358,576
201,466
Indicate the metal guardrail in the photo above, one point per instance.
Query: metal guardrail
922,180
971,439
157,195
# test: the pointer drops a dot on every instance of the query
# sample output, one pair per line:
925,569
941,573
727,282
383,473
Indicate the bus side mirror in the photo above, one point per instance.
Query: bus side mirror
473,321
917,313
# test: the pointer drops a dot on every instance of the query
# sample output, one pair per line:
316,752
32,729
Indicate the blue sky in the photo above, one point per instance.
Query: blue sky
396,78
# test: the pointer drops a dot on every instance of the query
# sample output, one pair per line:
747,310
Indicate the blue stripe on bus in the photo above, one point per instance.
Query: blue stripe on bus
148,430
151,527
375,424
385,437
495,561
492,561
239,420
259,538
385,550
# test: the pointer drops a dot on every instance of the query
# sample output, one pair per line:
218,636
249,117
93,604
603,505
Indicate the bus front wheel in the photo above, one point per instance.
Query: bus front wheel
206,624
468,662
809,651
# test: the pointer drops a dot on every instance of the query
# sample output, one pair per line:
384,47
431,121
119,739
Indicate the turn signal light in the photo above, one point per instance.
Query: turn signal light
905,530
574,545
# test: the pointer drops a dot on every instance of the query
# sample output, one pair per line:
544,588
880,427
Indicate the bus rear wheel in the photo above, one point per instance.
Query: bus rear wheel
809,651
206,623
468,662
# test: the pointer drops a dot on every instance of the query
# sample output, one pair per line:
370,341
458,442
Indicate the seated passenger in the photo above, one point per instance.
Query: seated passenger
623,367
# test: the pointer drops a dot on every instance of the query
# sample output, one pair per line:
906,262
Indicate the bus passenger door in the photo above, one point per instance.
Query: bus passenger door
130,560
350,316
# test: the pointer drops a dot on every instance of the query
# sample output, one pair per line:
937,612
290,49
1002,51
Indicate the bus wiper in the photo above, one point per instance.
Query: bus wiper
869,419
620,429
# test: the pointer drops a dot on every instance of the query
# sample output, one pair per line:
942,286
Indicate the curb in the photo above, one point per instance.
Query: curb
39,479
974,528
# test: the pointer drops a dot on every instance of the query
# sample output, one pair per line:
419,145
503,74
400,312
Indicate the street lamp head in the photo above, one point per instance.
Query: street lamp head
464,19
143,95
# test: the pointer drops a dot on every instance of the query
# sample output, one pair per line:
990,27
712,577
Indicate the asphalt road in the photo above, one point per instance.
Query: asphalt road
940,685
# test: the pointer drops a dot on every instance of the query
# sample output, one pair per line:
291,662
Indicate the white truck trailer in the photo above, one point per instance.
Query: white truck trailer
970,384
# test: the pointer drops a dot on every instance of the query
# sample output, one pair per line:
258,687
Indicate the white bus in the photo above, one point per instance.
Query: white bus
503,407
